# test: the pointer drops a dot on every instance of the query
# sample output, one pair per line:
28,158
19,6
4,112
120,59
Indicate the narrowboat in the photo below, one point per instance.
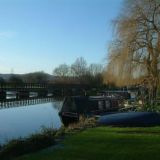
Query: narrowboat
87,106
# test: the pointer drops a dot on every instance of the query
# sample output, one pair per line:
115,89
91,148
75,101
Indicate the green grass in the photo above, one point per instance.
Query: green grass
105,143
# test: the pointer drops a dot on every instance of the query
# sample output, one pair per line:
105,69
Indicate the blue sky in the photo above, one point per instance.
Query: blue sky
38,35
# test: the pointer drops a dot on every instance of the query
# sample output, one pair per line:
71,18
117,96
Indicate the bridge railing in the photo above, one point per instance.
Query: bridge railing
22,85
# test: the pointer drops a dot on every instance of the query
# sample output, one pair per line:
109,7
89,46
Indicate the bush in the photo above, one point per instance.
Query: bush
60,132
82,124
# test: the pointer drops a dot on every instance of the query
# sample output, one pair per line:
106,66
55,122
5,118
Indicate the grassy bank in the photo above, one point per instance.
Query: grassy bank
105,143
32,143
45,138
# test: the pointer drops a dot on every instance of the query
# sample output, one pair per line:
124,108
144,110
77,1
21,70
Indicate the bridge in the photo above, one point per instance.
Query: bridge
23,90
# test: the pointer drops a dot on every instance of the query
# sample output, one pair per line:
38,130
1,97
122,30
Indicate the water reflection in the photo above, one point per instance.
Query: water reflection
24,117
8,103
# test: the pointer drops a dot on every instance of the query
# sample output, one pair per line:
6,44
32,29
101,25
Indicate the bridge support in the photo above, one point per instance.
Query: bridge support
3,95
22,94
42,94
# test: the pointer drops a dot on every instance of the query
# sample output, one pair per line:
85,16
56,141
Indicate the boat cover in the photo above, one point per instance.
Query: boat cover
131,119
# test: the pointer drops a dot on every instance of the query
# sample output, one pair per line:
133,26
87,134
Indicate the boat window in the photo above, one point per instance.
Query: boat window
107,104
100,105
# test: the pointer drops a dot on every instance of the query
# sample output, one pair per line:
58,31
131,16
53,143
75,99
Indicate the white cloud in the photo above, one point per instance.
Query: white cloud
7,34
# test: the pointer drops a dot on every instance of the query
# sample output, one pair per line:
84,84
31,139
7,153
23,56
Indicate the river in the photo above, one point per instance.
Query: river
23,118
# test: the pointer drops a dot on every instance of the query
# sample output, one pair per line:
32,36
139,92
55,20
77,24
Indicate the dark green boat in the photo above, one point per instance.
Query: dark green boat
87,106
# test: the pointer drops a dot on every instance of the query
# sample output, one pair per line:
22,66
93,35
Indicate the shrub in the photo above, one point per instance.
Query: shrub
82,124
60,132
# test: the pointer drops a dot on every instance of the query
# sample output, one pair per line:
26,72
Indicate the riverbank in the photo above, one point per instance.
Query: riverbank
47,137
105,143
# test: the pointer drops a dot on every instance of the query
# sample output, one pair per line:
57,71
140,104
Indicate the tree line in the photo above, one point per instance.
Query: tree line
35,77
80,72
77,73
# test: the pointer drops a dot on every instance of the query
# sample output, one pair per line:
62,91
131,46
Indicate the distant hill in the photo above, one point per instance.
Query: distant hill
35,77
6,76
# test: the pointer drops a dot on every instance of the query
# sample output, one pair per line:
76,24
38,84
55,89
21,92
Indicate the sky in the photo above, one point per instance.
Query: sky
39,35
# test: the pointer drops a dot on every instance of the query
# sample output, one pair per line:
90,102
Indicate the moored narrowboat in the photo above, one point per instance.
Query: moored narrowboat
87,106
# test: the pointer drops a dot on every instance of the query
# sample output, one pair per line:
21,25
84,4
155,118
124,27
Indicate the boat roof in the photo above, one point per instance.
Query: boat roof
114,91
77,98
100,97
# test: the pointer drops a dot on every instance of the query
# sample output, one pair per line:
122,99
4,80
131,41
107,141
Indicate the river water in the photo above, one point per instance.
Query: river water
20,119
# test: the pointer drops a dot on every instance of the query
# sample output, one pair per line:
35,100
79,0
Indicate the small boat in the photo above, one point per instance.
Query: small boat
87,106
131,119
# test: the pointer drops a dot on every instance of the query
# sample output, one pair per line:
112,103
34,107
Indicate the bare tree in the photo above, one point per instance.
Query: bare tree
62,70
135,51
95,69
79,67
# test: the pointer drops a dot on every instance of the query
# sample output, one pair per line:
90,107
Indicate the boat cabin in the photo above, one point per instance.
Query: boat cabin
75,106
116,94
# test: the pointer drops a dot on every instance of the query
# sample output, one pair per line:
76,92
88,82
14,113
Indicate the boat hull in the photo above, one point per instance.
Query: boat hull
131,119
